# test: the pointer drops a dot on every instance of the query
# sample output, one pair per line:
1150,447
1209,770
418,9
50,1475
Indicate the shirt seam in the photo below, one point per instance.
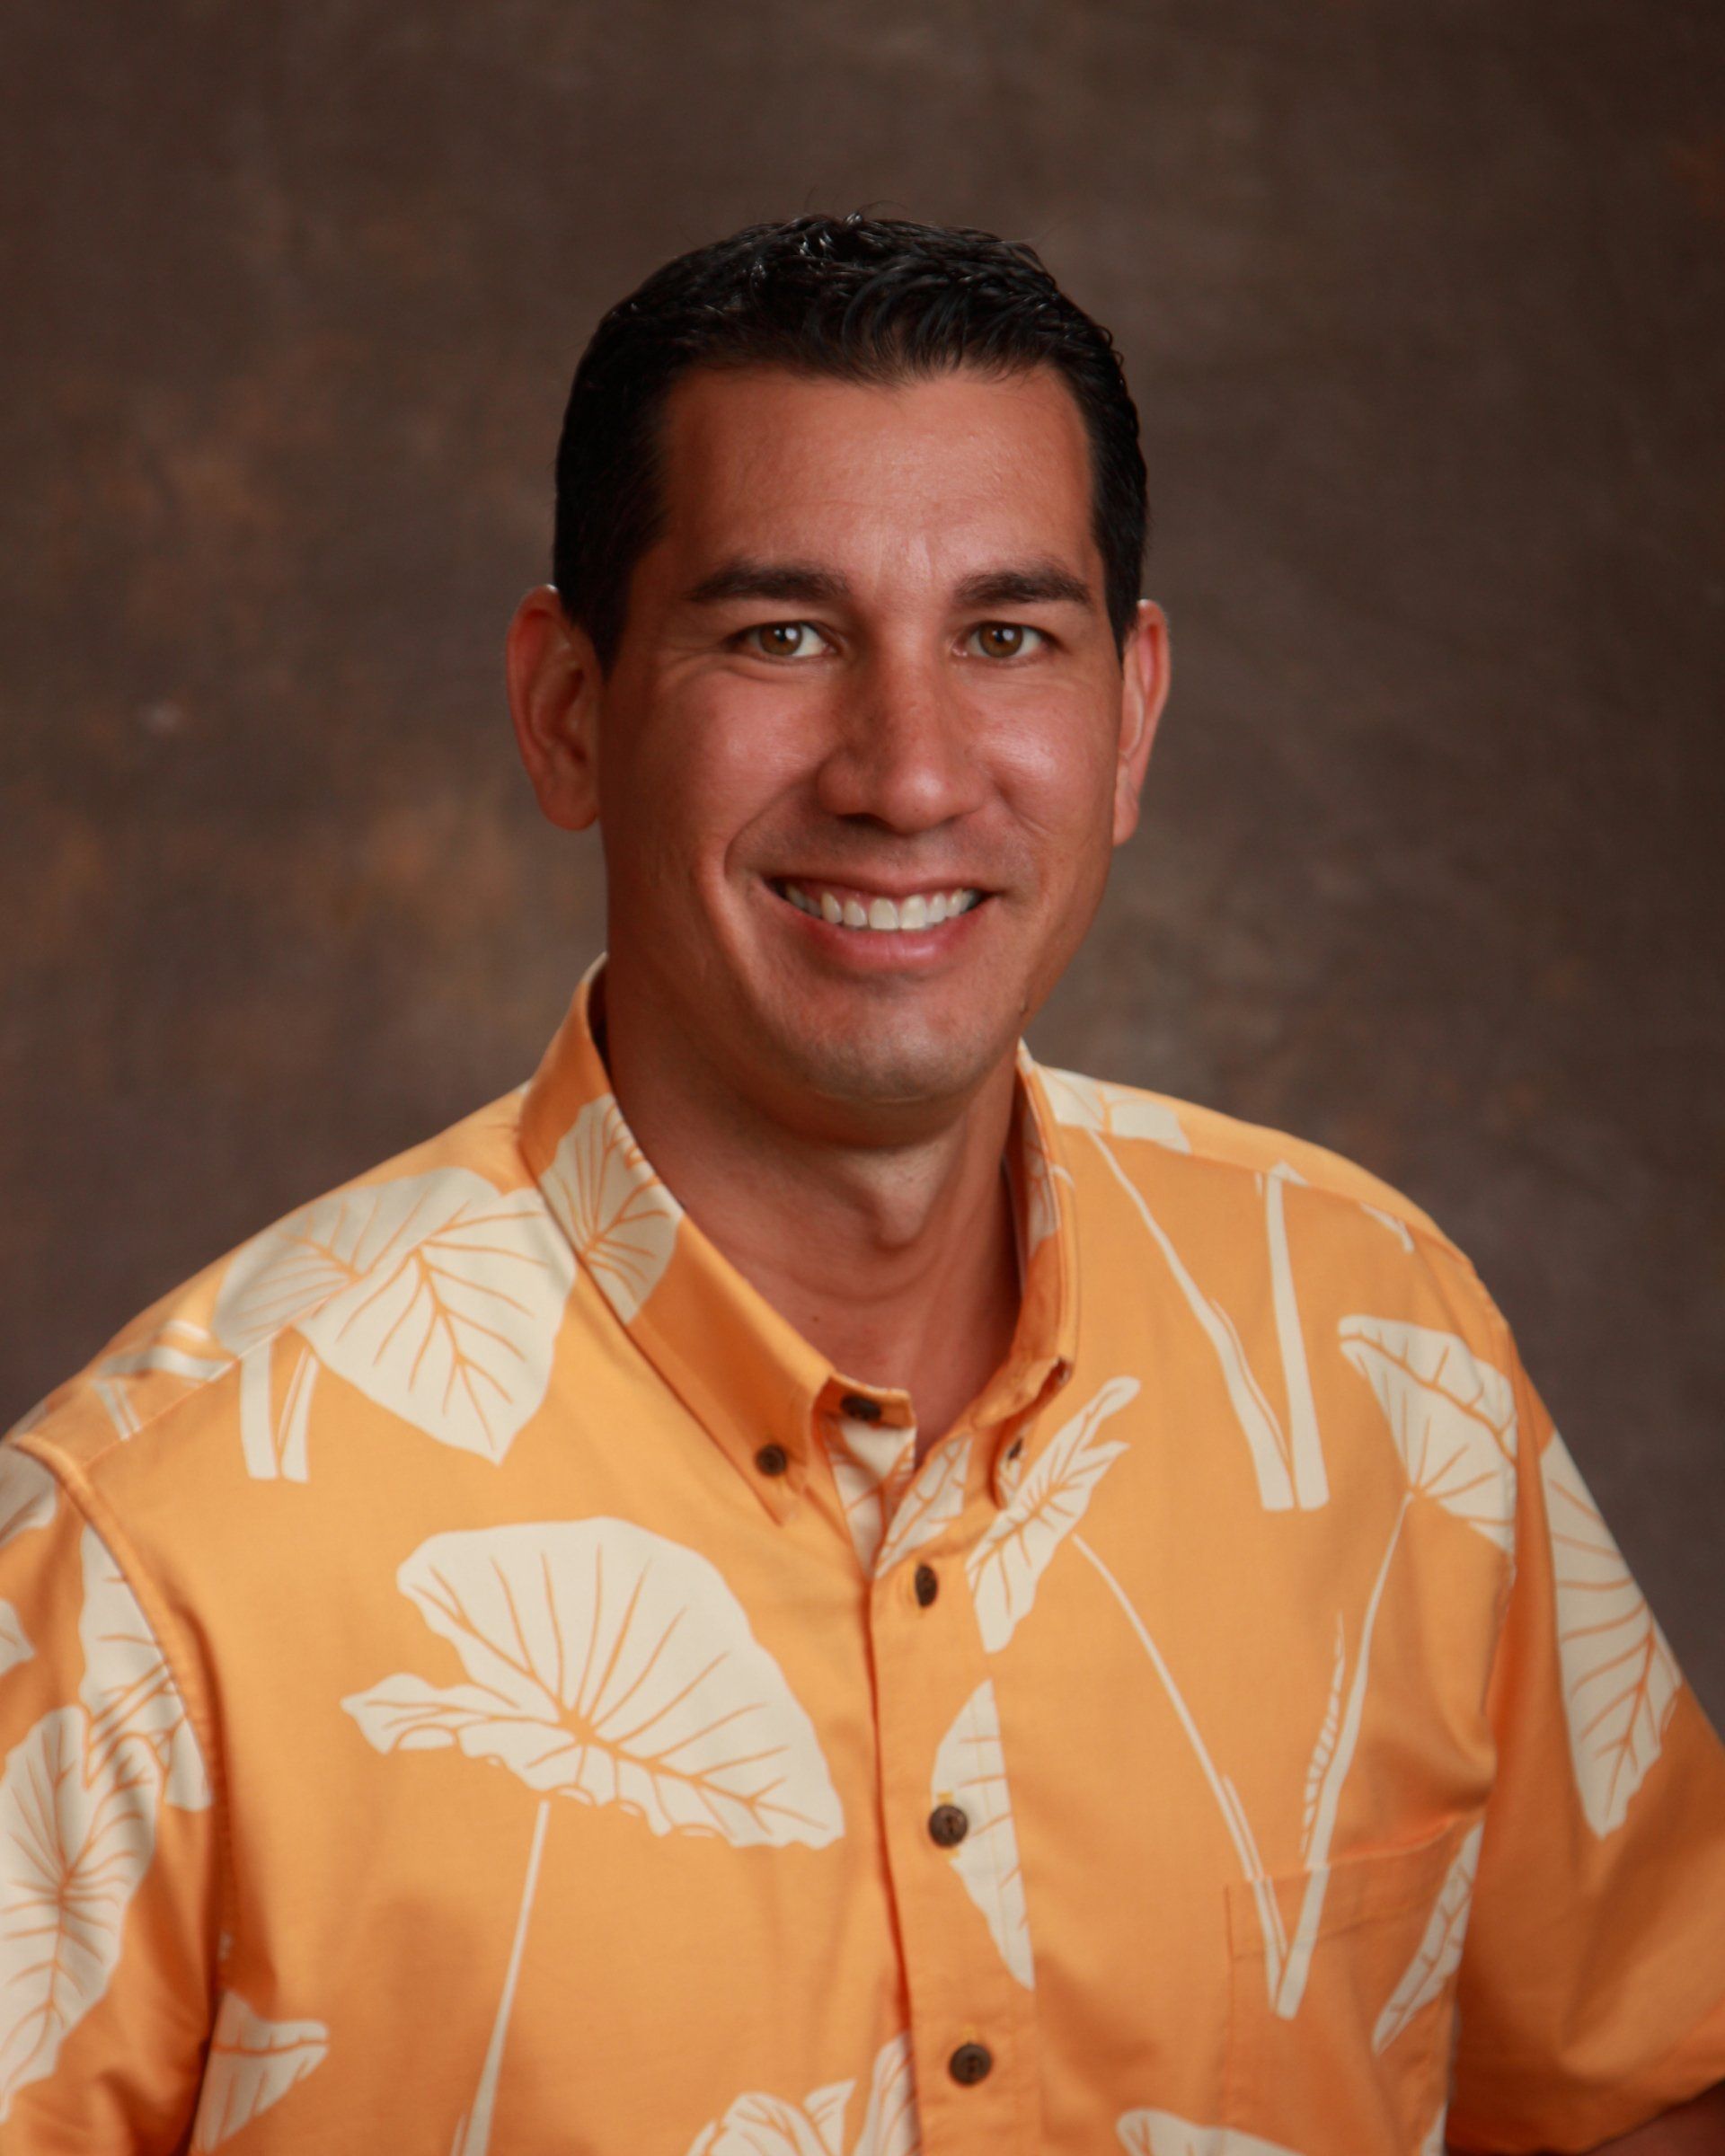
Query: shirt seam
1427,1230
100,1516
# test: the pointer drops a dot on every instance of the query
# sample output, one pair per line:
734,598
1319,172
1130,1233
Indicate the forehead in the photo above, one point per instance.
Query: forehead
763,457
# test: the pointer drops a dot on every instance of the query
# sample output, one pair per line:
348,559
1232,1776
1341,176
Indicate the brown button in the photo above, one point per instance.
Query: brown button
771,1460
1015,1448
948,1823
970,2063
859,1408
928,1584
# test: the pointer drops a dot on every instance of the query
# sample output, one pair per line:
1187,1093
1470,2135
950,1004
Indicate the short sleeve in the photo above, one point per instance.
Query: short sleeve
108,1868
1592,1984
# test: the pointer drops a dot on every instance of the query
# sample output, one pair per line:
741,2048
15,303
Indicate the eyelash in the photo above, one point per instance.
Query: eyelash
759,627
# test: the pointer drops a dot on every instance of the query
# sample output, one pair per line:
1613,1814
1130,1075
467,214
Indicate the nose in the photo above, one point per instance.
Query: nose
906,753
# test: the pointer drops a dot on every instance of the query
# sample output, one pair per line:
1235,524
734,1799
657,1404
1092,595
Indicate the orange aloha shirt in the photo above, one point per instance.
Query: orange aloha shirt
472,1678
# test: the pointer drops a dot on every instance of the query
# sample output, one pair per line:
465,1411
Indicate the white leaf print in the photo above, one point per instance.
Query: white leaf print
1331,1776
1164,2133
473,2135
1253,1412
1006,1565
621,1218
610,1665
128,1685
1324,1751
1112,1111
28,1494
1221,1786
436,1296
891,2126
872,1463
76,1835
169,1350
1434,2144
1304,1452
1452,1416
758,2124
929,1507
970,1771
1619,1677
14,1642
1439,1951
252,2064
1388,1220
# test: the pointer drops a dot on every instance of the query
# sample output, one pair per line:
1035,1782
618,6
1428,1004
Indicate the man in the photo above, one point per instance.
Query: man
802,1585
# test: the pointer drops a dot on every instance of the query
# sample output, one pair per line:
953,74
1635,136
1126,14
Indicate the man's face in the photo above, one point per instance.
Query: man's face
867,672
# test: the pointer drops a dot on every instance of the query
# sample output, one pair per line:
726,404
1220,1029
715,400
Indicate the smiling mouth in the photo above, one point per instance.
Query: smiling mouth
842,906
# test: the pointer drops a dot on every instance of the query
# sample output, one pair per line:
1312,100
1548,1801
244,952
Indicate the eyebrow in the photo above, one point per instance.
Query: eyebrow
1022,583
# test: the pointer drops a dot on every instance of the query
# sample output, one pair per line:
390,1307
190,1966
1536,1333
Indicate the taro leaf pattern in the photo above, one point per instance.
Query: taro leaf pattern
871,1464
14,1642
620,1217
28,1494
970,1771
1619,1677
1049,1500
77,1830
252,2063
759,2125
1163,2134
437,1295
127,1683
608,1664
1112,1111
1439,1952
1452,1416
929,1507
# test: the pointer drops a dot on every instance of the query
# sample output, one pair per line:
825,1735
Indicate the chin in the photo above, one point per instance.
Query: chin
892,1064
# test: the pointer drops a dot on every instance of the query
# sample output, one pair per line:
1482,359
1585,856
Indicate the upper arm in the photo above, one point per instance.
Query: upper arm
1592,1986
108,1898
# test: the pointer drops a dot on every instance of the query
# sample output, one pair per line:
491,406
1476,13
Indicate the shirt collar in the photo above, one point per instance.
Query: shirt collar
736,1363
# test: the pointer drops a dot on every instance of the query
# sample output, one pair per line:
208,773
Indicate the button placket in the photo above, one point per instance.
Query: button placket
972,2020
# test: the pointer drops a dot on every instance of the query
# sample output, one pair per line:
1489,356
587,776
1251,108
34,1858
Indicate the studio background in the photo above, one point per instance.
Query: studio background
1424,310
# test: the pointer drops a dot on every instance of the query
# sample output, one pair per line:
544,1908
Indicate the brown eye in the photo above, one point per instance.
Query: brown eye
780,640
1003,640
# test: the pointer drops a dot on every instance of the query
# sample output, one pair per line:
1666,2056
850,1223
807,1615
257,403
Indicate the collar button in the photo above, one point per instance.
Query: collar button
771,1460
927,1583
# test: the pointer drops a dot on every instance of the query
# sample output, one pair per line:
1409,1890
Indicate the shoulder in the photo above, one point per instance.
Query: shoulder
186,1361
1209,1143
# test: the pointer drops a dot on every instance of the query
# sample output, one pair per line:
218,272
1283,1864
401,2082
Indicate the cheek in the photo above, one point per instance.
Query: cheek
701,770
1058,779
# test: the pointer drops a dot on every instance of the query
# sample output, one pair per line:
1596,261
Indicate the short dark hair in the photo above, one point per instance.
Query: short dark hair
860,298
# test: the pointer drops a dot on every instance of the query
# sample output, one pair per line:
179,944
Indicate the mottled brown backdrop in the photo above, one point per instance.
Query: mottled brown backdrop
1424,307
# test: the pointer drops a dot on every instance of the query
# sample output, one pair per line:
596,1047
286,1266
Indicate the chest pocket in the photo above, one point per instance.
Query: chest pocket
1341,1998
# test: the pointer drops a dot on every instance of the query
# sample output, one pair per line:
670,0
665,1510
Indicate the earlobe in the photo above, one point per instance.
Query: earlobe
555,686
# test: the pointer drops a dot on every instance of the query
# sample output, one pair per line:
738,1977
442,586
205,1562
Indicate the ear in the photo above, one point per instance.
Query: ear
1144,691
554,695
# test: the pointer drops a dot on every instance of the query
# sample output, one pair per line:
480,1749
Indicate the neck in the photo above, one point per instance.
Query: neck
895,1258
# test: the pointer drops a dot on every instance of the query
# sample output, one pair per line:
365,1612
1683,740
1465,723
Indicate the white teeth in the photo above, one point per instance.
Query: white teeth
883,914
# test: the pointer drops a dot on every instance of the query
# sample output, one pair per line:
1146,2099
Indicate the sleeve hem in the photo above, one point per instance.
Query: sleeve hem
1690,2068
